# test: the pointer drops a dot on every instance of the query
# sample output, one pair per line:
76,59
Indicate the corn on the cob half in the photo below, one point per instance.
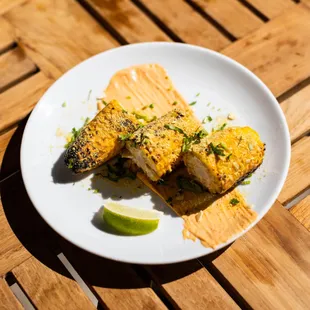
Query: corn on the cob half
224,158
100,139
156,148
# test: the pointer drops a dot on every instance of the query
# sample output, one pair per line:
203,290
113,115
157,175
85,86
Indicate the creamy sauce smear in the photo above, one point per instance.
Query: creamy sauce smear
216,221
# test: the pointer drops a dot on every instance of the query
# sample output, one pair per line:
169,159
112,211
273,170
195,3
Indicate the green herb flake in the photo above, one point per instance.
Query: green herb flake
234,201
228,157
172,127
89,93
207,119
64,104
193,103
217,150
209,103
140,116
95,191
222,127
124,137
246,182
197,95
240,139
151,106
153,118
175,103
128,97
189,185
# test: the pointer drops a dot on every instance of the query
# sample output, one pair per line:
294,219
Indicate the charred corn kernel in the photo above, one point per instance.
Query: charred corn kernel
156,148
100,139
226,157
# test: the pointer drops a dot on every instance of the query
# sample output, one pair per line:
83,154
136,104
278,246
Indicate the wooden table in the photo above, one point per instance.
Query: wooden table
268,268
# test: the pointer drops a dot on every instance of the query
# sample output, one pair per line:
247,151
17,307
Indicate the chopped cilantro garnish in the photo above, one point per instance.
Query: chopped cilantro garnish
189,185
234,201
124,137
193,103
222,127
228,157
64,104
197,95
128,97
153,118
175,103
71,162
207,118
209,103
151,106
96,191
245,182
172,127
89,93
140,116
217,150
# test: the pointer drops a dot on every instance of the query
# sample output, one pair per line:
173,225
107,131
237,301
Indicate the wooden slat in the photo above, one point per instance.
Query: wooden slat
302,212
232,15
272,8
116,285
19,100
68,34
298,176
4,141
128,20
6,5
12,252
190,286
269,266
50,288
7,298
279,51
23,232
190,26
6,34
14,65
297,112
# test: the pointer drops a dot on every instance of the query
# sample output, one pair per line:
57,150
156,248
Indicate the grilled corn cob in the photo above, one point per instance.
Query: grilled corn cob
156,148
100,139
225,158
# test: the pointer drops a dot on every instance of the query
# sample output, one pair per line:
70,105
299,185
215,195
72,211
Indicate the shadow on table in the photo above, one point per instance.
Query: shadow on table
44,244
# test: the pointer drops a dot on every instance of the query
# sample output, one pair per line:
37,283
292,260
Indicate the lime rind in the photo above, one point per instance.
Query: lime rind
131,221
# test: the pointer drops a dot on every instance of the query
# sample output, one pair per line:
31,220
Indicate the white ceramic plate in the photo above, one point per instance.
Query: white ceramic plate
72,210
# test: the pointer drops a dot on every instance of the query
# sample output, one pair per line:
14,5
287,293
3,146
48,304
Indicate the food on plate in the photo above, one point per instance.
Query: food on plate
101,139
130,221
224,158
210,218
156,148
145,88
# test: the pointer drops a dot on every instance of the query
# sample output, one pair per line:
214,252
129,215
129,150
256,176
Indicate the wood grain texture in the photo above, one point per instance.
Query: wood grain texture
269,266
116,285
297,113
12,252
7,298
298,176
4,141
279,51
190,26
232,15
272,8
19,100
48,289
67,34
6,34
128,20
302,212
6,5
14,65
190,286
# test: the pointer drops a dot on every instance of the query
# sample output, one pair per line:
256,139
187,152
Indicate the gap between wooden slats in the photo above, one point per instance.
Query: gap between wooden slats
301,211
7,299
230,13
14,67
272,8
125,21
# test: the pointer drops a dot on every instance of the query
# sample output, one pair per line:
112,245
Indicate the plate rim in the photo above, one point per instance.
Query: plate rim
268,205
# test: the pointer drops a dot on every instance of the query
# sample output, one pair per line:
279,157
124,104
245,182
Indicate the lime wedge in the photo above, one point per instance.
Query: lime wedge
130,221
